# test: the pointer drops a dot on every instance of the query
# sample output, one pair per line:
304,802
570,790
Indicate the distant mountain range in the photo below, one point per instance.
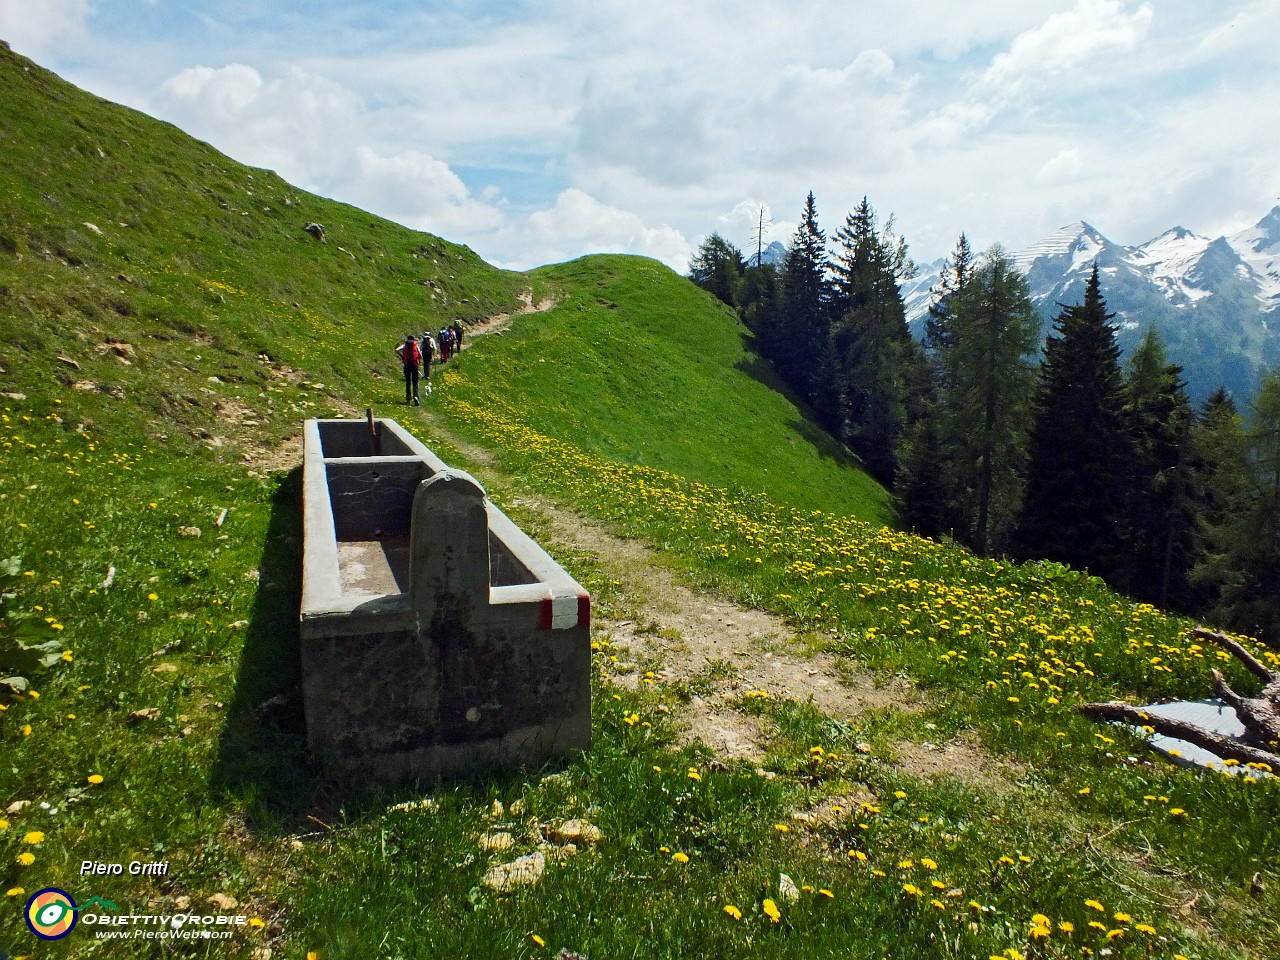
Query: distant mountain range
1215,302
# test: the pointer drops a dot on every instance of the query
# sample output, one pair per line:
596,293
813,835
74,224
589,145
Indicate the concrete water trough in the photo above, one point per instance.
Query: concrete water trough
437,637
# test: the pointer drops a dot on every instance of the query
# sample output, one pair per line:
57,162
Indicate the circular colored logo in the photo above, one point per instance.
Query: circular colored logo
51,913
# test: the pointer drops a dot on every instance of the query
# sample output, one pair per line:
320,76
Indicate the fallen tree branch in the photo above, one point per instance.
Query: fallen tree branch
1224,747
1251,663
1259,715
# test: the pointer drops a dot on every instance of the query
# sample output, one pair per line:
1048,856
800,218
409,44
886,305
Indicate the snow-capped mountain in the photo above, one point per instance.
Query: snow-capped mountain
1215,302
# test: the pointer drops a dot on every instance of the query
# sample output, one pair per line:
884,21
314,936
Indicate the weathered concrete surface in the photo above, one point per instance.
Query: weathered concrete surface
436,636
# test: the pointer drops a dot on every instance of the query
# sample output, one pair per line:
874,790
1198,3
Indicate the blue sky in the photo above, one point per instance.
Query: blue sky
535,133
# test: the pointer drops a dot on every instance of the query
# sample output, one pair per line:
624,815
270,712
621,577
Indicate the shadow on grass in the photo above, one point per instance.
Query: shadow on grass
828,447
262,758
263,761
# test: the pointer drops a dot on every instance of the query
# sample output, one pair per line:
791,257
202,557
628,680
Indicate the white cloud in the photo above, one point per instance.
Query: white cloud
220,96
418,190
534,133
34,27
300,124
579,224
1063,165
1064,43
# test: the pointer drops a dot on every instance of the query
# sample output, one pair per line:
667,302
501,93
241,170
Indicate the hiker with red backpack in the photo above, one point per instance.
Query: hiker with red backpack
410,356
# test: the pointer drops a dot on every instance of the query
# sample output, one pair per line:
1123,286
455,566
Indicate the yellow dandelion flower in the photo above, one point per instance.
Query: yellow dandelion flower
826,893
1066,926
537,939
782,828
771,911
900,794
1095,905
33,837
1122,917
1115,934
928,864
1039,933
680,857
1145,928
912,889
26,859
858,855
256,923
94,778
733,912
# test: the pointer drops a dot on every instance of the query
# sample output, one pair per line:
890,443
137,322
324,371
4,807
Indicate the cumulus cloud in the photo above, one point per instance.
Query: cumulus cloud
34,28
1065,42
534,135
298,124
418,190
1063,165
579,224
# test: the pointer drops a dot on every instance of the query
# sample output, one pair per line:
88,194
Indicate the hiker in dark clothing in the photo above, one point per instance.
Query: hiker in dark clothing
410,356
457,337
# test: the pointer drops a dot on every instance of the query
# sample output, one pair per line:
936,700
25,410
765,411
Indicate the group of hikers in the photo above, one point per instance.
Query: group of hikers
416,355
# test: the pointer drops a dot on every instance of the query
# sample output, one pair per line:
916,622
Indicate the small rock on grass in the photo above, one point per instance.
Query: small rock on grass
579,832
520,872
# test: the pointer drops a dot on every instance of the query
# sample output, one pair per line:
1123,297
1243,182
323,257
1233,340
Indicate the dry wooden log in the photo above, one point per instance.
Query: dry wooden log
1259,715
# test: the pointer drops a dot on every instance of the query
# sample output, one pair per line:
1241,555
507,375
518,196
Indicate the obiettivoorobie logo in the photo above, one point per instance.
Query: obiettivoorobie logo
51,913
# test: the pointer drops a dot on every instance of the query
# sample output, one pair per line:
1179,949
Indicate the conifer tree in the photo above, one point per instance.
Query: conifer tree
991,332
1220,483
1159,524
951,280
930,500
1243,562
717,267
870,362
795,337
1077,447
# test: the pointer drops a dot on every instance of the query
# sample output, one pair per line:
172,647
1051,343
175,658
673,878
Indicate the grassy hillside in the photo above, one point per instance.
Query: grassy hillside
640,366
166,324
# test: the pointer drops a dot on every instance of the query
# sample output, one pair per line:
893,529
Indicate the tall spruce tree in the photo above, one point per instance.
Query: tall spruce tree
1159,522
1077,449
1220,485
1242,565
951,280
929,498
870,360
795,336
985,358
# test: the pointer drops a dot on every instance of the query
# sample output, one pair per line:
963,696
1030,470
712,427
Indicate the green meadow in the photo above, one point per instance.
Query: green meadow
166,325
